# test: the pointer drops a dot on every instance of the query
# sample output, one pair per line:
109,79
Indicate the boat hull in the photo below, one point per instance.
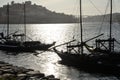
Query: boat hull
26,48
97,64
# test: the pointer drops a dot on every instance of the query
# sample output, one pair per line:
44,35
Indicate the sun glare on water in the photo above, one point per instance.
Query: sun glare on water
48,32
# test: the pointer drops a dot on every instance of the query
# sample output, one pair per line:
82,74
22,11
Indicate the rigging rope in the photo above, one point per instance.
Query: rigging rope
117,41
101,14
95,7
116,16
103,18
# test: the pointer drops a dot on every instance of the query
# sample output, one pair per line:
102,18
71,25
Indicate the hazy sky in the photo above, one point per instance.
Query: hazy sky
72,6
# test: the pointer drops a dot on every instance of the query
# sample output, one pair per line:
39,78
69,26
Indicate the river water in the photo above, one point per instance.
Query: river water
47,62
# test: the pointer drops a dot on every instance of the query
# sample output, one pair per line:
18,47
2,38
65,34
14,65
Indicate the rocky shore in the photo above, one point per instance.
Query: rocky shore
10,72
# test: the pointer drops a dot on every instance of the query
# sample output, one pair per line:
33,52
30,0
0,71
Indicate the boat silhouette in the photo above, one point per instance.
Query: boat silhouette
103,58
16,42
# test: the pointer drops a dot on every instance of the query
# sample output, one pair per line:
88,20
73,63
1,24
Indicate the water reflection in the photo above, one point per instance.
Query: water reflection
50,32
47,62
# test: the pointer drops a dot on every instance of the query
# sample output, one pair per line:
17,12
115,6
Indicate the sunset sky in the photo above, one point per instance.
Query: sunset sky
72,6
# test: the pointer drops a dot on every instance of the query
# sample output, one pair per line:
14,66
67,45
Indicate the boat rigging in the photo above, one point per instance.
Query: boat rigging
16,42
103,57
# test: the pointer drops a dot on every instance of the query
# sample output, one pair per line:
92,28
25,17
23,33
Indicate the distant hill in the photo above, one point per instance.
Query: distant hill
34,14
99,18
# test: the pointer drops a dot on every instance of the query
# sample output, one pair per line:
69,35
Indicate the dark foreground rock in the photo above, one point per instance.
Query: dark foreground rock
10,72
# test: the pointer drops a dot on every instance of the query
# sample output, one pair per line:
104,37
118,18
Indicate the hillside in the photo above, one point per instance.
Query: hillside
99,18
34,14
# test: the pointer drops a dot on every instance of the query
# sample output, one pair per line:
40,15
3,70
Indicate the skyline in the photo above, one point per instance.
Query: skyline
72,6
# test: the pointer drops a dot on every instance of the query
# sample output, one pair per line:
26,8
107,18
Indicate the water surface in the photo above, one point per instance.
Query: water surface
47,62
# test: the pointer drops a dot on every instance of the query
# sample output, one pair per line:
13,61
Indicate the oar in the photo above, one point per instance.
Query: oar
82,44
11,34
50,49
63,44
71,45
93,38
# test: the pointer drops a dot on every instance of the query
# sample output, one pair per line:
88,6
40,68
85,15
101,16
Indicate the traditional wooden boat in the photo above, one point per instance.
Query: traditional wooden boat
103,58
17,42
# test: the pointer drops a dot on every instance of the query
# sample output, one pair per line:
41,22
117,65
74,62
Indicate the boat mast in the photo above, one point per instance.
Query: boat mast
7,19
110,25
81,26
25,21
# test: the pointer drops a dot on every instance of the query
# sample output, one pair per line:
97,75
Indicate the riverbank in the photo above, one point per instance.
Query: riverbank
10,72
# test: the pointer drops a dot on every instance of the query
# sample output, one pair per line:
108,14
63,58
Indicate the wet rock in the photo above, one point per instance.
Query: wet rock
53,79
16,69
10,72
8,76
1,65
50,76
21,76
30,69
35,73
44,78
19,70
41,75
33,78
6,67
